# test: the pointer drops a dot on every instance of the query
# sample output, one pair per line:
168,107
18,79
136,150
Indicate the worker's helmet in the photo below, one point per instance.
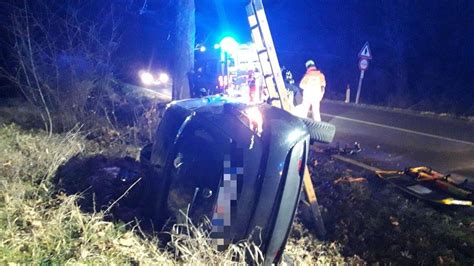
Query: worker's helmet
310,63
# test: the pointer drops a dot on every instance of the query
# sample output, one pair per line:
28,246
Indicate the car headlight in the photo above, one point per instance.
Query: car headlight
164,78
147,78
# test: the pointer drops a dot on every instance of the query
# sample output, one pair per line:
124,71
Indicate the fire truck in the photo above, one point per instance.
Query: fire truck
232,69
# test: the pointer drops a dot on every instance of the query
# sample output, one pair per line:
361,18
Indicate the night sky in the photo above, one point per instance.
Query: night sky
422,50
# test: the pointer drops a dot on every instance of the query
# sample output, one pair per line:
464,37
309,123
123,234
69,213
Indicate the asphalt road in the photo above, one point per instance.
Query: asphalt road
395,139
389,139
161,92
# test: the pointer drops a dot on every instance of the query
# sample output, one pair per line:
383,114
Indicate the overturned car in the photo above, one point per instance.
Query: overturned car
236,166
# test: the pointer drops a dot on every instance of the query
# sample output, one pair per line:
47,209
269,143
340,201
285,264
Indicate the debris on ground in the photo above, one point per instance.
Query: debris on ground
429,185
380,224
346,150
350,179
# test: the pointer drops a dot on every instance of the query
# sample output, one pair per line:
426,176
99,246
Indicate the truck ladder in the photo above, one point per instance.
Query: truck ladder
267,55
276,88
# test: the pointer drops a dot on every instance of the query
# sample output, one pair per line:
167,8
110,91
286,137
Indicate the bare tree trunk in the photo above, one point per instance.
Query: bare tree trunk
183,38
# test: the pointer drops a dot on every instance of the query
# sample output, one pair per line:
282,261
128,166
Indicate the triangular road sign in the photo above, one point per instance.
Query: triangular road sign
365,52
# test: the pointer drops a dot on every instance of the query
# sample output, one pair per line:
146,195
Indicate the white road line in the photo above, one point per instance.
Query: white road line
400,129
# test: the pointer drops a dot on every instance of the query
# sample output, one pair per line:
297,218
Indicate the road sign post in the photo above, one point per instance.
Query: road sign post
364,56
359,86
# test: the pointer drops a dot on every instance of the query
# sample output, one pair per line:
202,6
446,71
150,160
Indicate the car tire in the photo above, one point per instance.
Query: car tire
321,132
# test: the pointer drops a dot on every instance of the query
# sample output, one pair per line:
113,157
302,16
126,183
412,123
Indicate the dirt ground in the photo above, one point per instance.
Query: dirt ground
378,223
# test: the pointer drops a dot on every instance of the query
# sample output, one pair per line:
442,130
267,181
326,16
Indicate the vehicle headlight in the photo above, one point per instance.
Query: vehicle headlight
164,78
147,78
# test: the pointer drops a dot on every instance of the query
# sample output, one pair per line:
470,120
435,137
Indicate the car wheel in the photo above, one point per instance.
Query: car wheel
321,132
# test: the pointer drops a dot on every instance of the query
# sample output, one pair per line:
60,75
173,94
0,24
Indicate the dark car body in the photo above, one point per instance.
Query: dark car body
214,160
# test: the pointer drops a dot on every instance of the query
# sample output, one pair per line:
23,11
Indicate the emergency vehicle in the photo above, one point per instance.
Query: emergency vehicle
240,75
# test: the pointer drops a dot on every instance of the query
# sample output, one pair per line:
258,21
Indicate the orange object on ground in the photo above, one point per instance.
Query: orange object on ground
350,179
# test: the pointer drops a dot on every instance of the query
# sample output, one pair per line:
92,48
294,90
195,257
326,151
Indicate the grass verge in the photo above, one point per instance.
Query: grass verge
38,225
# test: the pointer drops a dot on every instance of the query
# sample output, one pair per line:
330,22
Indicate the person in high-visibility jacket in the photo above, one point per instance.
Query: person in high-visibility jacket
313,85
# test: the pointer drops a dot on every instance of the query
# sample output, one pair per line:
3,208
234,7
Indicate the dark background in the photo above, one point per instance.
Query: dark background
422,50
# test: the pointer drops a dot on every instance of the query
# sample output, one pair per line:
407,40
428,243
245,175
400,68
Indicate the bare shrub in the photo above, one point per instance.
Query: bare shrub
61,59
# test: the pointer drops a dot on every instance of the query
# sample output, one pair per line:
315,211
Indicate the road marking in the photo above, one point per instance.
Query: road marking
400,129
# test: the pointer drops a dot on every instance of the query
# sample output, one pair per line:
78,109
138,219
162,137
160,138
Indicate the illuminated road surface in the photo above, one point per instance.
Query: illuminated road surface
396,139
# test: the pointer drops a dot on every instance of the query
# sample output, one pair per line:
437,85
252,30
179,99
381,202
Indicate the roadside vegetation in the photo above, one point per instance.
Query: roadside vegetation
40,225
367,221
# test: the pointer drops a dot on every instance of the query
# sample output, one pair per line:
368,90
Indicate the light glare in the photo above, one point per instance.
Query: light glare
164,78
147,78
255,119
229,44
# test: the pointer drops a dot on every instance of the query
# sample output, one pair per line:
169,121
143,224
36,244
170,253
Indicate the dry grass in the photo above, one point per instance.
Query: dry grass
193,246
39,226
303,248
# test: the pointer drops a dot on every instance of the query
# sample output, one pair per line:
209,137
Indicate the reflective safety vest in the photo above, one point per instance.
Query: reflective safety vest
313,84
